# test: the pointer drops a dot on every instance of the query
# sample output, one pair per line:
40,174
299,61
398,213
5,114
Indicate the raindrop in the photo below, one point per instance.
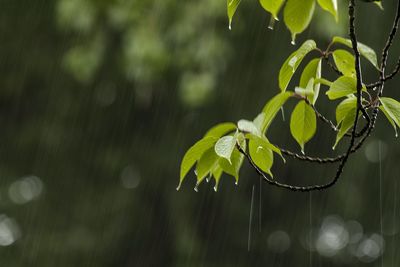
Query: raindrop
236,183
283,113
179,187
216,188
196,188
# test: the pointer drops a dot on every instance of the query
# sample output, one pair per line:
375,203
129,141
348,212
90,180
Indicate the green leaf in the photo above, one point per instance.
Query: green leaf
308,91
221,129
259,121
365,51
293,61
272,6
265,143
345,62
345,107
392,108
323,81
346,124
206,164
232,6
343,86
312,71
225,146
233,167
193,154
297,15
303,123
272,108
261,156
331,6
391,121
248,127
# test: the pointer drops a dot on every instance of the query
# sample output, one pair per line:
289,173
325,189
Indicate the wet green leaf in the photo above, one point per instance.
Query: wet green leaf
272,108
303,123
342,87
312,71
221,129
272,6
345,62
297,15
331,6
365,51
292,63
232,6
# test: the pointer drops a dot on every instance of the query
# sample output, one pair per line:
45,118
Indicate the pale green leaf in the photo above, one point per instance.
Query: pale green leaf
345,62
232,6
193,154
392,107
248,127
261,156
297,15
233,167
206,164
303,123
343,86
225,146
272,6
308,91
331,6
292,63
272,108
312,71
345,107
365,51
259,121
221,129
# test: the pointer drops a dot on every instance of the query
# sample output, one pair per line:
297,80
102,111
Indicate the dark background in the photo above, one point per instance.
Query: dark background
100,99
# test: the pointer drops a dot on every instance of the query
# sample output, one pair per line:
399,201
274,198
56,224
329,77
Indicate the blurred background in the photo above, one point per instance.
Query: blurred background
99,100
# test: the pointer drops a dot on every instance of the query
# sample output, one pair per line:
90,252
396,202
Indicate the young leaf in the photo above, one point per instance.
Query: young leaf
307,92
343,86
193,154
392,107
293,61
233,167
225,146
261,156
365,51
248,127
345,107
345,62
221,129
303,123
346,124
272,107
330,6
272,6
259,121
232,6
297,15
312,71
206,164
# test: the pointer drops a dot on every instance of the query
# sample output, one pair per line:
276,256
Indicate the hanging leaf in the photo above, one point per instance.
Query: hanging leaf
225,146
345,107
392,108
308,91
345,62
248,127
221,129
232,167
365,51
293,61
312,71
297,15
193,154
303,123
391,121
272,108
265,143
206,164
259,121
272,6
331,6
261,156
342,87
232,6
